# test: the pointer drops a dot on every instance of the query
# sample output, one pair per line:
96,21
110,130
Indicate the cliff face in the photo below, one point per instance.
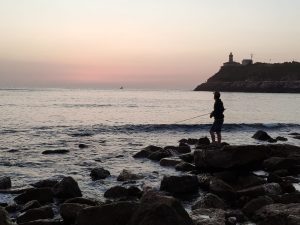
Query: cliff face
259,77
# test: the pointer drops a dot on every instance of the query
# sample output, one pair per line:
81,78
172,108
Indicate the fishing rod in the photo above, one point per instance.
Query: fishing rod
191,118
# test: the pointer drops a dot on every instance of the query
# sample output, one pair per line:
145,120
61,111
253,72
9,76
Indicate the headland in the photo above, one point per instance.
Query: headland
254,77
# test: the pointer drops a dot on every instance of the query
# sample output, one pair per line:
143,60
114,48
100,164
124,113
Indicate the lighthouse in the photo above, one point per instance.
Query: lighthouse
230,58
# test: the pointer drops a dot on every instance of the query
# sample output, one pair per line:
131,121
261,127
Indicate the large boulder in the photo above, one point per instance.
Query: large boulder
42,195
127,175
156,209
117,213
256,204
67,188
4,219
158,155
36,214
184,166
123,192
99,173
278,214
222,189
170,161
69,211
144,153
31,205
279,163
5,182
237,157
210,201
208,216
83,201
261,136
179,184
45,183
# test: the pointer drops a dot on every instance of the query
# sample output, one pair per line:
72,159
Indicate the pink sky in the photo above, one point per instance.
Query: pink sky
154,44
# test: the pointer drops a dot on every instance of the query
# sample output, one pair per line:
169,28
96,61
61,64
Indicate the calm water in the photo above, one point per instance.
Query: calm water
116,124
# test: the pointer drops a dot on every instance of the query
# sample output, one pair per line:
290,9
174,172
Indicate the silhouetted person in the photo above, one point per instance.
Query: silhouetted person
219,118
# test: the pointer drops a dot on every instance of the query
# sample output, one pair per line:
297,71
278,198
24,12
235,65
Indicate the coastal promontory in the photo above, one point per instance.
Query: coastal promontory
254,77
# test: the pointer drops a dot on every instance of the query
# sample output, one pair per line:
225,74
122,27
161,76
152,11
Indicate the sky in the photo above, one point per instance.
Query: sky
174,44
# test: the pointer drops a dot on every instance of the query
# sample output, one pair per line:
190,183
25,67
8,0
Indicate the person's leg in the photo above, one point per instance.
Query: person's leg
219,137
213,138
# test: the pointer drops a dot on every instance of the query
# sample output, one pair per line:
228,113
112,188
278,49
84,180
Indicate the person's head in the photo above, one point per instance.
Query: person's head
217,95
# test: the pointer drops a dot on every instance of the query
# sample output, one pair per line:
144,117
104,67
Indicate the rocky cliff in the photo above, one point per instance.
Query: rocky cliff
258,77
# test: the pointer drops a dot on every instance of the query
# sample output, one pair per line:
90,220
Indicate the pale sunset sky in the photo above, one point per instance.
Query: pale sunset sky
173,44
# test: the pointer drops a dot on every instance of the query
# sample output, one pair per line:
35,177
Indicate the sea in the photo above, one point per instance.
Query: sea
117,123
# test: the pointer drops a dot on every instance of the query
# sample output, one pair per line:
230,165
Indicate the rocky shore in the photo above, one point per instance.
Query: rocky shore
227,185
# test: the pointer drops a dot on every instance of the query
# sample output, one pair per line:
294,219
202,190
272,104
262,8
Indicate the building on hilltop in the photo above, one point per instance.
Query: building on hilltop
230,62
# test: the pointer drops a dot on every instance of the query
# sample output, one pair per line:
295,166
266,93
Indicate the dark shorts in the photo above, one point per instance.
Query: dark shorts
217,126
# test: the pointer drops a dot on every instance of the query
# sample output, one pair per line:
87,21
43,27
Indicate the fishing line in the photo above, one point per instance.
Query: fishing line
191,118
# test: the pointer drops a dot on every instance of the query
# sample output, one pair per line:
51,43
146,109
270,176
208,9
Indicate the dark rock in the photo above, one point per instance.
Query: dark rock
36,214
287,187
256,204
189,157
203,141
246,181
58,151
67,188
117,213
265,189
116,192
184,140
156,209
83,146
261,135
99,173
45,183
297,137
291,179
179,184
279,138
204,181
222,189
42,195
294,133
170,162
69,211
82,201
272,140
231,221
273,178
5,182
12,208
210,201
31,205
279,163
134,192
144,153
3,204
236,157
183,149
289,198
227,176
127,175
184,166
192,141
44,222
277,214
208,216
281,173
4,219
158,155
238,214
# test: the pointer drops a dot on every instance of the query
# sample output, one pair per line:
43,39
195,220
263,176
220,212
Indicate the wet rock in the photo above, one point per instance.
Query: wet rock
203,141
256,204
272,140
83,146
117,213
156,209
238,214
261,135
278,214
69,211
158,155
5,182
297,137
127,175
281,173
170,162
3,204
287,187
179,184
42,195
12,208
122,192
144,153
279,138
99,173
222,189
36,214
273,178
246,181
67,188
31,205
204,181
58,151
279,163
189,157
210,201
265,189
183,149
208,216
45,183
4,219
83,201
289,198
247,157
184,166
192,141
294,133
